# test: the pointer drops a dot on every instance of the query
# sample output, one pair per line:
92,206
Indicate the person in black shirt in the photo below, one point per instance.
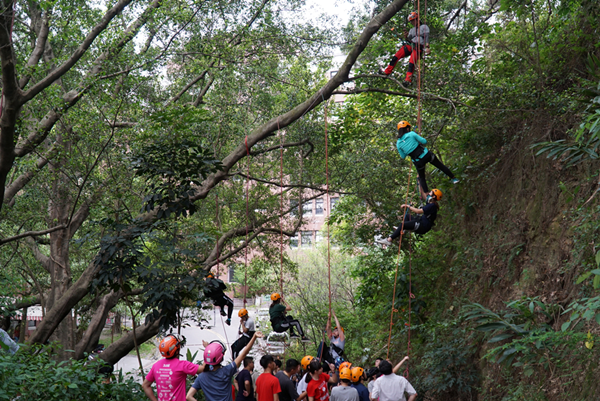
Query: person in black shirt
423,222
288,388
214,290
244,381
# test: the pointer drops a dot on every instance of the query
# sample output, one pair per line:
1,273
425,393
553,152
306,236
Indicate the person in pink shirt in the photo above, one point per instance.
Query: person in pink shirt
169,373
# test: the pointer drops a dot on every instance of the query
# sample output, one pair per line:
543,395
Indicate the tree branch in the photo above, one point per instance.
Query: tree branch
32,234
256,229
277,184
42,31
234,40
83,47
286,145
463,5
24,178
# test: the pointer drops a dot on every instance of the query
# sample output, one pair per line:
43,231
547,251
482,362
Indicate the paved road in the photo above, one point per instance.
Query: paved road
216,330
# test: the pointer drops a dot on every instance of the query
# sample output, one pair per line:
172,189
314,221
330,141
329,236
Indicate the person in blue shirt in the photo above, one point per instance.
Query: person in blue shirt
358,374
216,379
410,143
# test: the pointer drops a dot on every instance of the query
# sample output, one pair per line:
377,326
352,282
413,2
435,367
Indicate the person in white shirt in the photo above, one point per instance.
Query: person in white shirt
390,386
247,330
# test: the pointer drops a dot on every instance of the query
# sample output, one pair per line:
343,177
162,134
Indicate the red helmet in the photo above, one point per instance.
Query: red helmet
413,16
169,346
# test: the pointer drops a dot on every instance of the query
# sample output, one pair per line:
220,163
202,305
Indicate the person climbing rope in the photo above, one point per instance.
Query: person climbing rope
247,329
410,143
417,41
214,290
418,224
337,341
280,321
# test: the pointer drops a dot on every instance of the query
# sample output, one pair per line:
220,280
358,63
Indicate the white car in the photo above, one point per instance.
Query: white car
276,343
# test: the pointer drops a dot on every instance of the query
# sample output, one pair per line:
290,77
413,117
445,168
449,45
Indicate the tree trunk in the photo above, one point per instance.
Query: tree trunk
125,344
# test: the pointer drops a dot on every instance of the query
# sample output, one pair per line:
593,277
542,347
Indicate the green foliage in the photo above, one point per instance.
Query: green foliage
32,373
447,367
170,169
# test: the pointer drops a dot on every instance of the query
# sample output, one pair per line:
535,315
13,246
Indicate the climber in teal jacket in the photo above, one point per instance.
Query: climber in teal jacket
410,143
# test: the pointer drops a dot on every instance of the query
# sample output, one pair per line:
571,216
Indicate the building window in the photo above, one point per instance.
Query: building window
318,237
307,208
306,239
231,274
294,241
294,208
332,202
319,206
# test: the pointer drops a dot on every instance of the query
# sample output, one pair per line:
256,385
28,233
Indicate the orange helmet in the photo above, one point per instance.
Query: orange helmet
403,124
437,193
339,328
345,365
169,346
275,296
305,361
345,373
243,312
210,275
357,374
413,16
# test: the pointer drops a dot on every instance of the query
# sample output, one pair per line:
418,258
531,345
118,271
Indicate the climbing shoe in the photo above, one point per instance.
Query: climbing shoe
294,335
223,313
383,241
305,340
228,322
454,180
407,83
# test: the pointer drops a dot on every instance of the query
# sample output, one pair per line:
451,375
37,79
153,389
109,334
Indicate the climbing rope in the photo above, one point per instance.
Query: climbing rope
247,222
328,200
280,209
396,273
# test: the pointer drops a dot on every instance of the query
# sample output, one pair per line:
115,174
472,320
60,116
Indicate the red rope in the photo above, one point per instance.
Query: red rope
218,226
247,221
281,210
396,273
329,200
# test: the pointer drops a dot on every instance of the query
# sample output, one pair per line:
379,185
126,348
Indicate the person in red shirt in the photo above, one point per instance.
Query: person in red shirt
267,385
317,381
